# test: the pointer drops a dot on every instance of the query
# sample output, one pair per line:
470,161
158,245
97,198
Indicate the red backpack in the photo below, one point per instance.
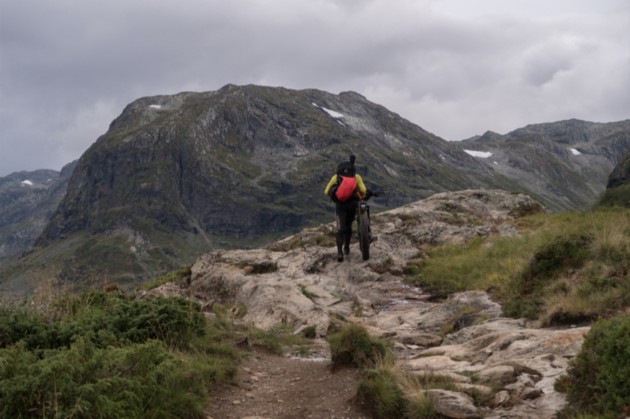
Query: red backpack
347,186
346,182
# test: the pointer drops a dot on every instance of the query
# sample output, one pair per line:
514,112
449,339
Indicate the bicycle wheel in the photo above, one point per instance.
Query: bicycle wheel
364,235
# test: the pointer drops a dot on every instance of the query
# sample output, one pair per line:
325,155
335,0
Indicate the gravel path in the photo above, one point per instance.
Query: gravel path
274,387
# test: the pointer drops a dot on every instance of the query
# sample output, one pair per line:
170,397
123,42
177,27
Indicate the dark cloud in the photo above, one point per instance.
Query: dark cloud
68,67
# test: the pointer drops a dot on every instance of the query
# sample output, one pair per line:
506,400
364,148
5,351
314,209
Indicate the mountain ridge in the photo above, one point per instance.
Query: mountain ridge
179,175
566,162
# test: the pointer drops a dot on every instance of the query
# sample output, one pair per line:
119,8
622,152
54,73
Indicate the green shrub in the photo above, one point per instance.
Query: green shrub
599,377
560,254
141,380
619,196
172,320
420,405
275,339
480,264
380,394
353,346
110,356
179,276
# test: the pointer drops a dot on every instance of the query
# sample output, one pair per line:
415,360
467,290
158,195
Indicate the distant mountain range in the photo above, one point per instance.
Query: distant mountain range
176,176
565,164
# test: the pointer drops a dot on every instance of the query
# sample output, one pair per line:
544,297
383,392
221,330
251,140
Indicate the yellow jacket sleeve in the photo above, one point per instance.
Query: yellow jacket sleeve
333,180
360,186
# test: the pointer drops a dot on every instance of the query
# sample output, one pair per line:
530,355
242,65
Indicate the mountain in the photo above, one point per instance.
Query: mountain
27,202
566,164
176,176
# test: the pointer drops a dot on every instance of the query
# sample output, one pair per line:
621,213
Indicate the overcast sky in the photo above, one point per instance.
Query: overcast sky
456,68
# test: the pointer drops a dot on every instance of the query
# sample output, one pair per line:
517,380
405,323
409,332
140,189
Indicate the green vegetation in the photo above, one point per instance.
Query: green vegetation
384,390
275,339
619,197
109,355
178,276
353,346
563,268
380,393
599,378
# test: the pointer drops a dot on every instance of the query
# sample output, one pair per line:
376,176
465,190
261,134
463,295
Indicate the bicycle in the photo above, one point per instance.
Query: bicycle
363,220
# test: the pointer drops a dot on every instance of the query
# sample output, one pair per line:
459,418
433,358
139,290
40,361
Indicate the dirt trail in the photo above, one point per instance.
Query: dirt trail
269,386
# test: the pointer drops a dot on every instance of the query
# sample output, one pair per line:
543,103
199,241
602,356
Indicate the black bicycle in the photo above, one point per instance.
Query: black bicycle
363,221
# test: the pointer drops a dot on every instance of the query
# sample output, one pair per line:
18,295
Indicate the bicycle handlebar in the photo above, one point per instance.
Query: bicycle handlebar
370,193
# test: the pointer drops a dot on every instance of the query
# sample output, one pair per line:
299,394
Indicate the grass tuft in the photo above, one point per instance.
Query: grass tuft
353,346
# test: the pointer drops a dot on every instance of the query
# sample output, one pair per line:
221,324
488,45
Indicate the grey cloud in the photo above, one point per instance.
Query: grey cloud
68,67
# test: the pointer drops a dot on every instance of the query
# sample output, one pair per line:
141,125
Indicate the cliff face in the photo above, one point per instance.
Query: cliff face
566,164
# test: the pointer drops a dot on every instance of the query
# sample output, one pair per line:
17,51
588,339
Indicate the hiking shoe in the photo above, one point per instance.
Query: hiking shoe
346,249
339,257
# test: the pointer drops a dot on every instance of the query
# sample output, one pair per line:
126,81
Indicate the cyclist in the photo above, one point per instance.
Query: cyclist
345,188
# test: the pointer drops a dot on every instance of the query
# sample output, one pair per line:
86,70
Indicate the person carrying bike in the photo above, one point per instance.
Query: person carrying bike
346,188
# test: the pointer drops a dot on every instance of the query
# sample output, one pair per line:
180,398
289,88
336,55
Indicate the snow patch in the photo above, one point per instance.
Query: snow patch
330,112
333,113
27,183
155,106
575,152
480,154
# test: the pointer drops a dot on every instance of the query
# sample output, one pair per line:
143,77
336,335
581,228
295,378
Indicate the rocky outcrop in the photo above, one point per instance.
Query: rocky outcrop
297,282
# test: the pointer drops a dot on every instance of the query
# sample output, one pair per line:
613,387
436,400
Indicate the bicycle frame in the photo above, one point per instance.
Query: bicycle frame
364,229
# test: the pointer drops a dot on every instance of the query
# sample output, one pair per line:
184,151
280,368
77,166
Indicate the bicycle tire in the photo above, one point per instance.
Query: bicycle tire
364,235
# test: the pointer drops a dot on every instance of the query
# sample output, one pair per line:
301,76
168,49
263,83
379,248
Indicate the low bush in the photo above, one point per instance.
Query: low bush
564,268
599,377
619,196
386,391
379,393
477,264
105,317
353,346
560,254
110,356
140,380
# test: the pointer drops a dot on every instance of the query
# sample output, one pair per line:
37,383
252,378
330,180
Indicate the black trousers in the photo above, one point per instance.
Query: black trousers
346,213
